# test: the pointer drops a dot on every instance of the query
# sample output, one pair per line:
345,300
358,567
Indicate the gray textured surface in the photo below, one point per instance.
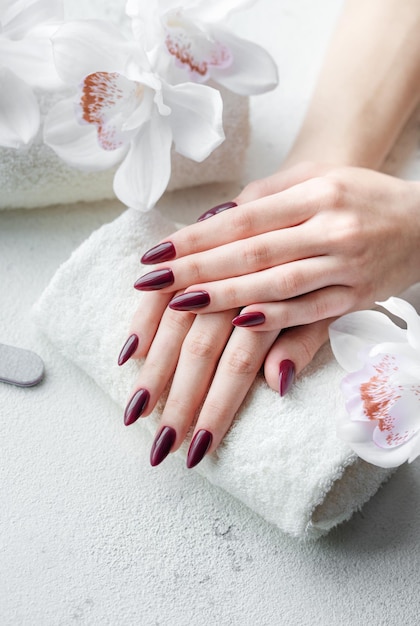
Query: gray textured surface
19,366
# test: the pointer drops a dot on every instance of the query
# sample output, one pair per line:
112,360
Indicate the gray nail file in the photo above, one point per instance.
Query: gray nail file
20,367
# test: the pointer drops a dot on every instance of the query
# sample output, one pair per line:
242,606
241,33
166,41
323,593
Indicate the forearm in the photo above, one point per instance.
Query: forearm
367,88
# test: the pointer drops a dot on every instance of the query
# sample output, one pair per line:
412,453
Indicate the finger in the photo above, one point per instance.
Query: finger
271,285
199,356
237,369
281,180
159,365
144,325
235,259
279,210
317,305
292,352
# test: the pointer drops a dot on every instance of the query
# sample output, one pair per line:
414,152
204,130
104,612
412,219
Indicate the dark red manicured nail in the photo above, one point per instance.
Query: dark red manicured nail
199,445
162,445
157,279
286,376
190,301
160,253
254,318
136,406
128,349
216,209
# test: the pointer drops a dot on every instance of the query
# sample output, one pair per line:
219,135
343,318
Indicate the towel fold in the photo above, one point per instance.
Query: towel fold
36,177
281,456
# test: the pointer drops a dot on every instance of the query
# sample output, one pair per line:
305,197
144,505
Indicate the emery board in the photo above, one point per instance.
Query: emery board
19,366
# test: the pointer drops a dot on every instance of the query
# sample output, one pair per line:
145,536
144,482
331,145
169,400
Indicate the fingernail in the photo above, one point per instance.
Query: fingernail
162,252
128,349
136,406
157,279
162,445
198,447
190,301
216,209
254,318
286,376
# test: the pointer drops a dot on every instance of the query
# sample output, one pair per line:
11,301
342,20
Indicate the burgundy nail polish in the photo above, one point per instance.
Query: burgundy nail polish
216,209
286,376
190,301
157,279
162,445
158,254
254,318
128,349
136,406
198,447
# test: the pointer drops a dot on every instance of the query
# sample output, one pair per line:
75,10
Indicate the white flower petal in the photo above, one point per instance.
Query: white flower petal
19,16
252,70
352,333
401,423
144,174
31,58
404,310
370,452
196,119
77,145
83,47
106,100
19,111
216,10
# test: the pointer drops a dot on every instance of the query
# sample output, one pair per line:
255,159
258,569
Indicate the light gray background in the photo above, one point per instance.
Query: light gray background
90,533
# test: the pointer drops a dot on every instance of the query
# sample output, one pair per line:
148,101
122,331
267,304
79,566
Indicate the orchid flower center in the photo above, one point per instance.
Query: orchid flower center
193,48
107,100
378,395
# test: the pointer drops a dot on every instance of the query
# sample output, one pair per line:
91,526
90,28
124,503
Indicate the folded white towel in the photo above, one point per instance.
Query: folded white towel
35,176
281,457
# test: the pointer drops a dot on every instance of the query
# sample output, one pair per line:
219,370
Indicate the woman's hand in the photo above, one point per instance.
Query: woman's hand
212,366
317,249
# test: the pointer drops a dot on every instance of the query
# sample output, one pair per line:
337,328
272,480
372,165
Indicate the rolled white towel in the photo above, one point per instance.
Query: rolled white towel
281,457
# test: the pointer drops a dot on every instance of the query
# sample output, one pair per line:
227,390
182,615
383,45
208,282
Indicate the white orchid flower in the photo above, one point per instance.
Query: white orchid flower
26,63
192,34
383,387
126,113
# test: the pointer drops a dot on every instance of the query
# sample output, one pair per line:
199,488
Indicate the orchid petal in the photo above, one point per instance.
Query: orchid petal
391,457
216,10
193,48
352,333
19,111
83,47
143,176
404,310
20,16
196,119
252,70
401,423
107,99
77,145
31,58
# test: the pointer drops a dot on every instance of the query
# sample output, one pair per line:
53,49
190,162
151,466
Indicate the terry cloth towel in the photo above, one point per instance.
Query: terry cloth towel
36,177
281,457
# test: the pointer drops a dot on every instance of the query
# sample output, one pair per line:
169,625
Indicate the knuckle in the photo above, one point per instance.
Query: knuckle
241,362
256,256
178,322
242,223
289,284
201,346
329,192
308,346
